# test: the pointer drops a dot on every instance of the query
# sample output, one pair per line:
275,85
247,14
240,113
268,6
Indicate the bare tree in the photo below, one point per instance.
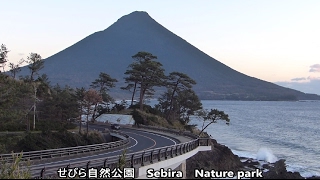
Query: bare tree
3,56
91,97
15,68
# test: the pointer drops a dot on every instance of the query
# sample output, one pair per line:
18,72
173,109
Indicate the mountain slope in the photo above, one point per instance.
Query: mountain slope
110,51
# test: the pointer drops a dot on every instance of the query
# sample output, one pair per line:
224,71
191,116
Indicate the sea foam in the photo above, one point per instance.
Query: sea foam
265,154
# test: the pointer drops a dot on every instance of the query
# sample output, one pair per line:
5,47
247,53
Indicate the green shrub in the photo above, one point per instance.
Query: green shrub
94,137
122,159
52,140
8,142
13,171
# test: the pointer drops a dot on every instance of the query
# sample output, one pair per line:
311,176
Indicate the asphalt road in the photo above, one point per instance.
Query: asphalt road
139,141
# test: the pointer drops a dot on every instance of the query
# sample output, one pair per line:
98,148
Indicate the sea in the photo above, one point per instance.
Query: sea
269,131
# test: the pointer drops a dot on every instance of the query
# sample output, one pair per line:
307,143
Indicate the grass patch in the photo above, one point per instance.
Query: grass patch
142,117
13,170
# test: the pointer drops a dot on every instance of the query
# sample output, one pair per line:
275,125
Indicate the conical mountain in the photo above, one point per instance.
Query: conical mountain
110,51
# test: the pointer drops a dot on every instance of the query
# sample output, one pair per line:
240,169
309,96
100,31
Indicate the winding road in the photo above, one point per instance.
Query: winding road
139,141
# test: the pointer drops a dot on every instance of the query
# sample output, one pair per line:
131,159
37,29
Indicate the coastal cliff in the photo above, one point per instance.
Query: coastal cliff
221,158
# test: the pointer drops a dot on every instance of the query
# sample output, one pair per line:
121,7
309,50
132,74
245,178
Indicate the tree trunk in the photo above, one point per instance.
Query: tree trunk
80,125
141,97
134,91
94,112
205,128
88,121
171,101
31,76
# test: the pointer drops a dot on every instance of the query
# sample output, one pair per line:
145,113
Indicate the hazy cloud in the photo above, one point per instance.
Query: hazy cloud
298,79
21,54
311,86
315,68
312,78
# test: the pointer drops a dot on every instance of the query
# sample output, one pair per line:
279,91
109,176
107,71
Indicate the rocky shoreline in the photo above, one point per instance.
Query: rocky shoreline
221,158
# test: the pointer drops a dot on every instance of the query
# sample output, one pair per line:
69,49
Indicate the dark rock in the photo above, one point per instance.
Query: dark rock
219,158
279,171
313,177
250,162
266,166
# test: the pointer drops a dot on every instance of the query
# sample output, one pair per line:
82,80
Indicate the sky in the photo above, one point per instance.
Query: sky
272,40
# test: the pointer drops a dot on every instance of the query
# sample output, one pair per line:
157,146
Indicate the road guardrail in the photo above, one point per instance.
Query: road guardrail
171,131
51,153
132,160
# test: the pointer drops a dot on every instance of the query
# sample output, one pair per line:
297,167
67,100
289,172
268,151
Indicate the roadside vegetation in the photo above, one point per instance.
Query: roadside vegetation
35,115
13,170
31,104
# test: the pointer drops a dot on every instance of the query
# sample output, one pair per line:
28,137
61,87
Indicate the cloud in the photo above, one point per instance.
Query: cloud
312,78
21,54
298,79
311,86
315,68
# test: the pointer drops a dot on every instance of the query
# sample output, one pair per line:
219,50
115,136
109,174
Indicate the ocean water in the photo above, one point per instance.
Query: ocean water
269,130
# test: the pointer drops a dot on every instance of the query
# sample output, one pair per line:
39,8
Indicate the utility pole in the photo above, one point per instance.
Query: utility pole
34,107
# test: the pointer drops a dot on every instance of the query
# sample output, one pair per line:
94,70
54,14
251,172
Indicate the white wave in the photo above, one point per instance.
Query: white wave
244,154
266,154
303,170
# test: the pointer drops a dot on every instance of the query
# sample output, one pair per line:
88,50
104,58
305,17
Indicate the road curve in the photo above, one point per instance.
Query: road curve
139,141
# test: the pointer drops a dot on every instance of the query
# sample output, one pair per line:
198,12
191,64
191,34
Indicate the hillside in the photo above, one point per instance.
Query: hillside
110,51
